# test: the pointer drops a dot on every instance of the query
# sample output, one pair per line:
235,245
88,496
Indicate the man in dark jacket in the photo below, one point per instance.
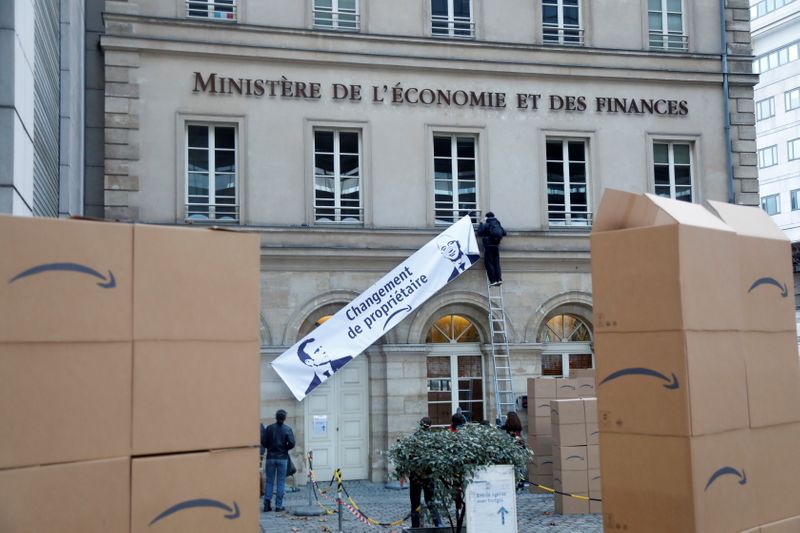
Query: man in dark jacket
278,439
492,232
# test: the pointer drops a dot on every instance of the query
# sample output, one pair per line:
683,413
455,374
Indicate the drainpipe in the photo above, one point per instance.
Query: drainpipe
726,117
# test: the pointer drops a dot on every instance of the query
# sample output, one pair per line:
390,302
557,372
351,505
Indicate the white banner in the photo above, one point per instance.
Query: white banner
321,353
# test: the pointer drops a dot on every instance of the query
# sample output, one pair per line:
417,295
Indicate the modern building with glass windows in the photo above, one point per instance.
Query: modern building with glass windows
348,133
776,44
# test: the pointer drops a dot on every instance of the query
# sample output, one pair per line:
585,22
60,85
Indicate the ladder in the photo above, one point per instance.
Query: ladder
501,357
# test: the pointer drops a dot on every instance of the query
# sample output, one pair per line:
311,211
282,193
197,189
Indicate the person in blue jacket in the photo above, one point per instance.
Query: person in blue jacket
277,439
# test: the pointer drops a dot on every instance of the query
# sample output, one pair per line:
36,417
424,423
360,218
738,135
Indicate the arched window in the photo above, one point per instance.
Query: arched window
455,370
568,344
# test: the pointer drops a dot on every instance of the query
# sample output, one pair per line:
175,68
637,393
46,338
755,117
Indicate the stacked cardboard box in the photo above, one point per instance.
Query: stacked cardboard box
697,367
129,377
540,438
576,455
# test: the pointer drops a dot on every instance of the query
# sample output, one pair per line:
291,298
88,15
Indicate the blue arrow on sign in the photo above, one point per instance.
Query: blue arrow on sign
502,512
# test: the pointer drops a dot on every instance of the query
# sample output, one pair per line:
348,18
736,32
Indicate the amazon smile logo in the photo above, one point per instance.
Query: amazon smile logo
727,471
770,281
233,512
106,283
639,371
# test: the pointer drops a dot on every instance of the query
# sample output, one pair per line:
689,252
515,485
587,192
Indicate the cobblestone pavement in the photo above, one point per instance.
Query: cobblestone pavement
534,513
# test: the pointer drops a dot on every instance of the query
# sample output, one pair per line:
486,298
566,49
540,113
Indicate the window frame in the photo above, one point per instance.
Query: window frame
793,149
338,177
453,352
565,161
450,19
664,34
560,27
770,104
211,10
788,96
794,199
454,133
335,13
765,202
777,58
761,155
694,163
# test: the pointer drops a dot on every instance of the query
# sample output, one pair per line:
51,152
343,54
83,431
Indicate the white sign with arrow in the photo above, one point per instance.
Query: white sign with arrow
492,500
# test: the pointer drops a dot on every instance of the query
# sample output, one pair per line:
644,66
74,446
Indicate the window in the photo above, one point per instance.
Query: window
665,24
211,9
455,379
672,170
768,157
561,22
776,58
567,339
771,204
337,176
336,14
455,177
567,195
792,99
452,18
211,173
795,198
765,108
793,149
767,6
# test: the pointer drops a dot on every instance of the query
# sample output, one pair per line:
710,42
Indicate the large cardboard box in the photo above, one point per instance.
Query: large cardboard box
542,464
567,412
671,382
571,481
541,444
211,492
85,497
194,395
195,285
570,458
776,471
764,259
567,388
64,402
567,505
595,503
540,392
569,434
540,425
676,261
702,484
790,525
65,280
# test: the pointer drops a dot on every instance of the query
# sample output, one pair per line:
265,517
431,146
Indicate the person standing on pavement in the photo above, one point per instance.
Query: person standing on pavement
278,439
492,233
419,484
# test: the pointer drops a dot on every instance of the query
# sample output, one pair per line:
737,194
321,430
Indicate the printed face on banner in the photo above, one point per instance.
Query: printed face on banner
351,330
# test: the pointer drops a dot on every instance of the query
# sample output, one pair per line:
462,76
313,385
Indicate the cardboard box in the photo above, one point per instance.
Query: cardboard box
586,387
702,484
541,444
89,497
592,433
544,480
567,388
200,492
570,458
582,373
773,377
209,279
775,472
541,388
567,505
65,280
542,465
593,456
567,412
590,409
571,481
676,261
790,525
194,396
595,507
569,434
766,283
540,425
595,480
64,402
671,382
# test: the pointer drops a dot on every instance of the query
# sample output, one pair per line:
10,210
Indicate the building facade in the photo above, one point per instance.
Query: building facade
41,107
776,45
348,133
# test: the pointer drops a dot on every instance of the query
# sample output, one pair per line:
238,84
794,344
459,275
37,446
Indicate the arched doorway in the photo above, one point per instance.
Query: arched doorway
337,419
567,340
455,374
